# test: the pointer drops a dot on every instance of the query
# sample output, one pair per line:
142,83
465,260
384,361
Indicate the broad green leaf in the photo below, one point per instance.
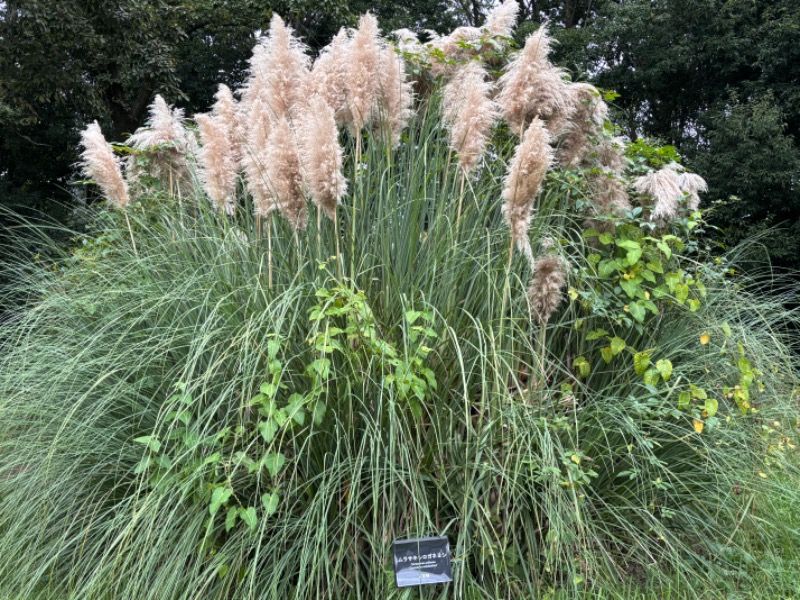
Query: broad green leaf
596,334
274,462
655,266
605,238
637,311
617,345
151,441
630,287
267,429
664,367
274,346
641,362
726,329
230,518
651,377
319,412
633,256
711,407
270,502
219,497
607,353
684,400
249,516
583,366
665,249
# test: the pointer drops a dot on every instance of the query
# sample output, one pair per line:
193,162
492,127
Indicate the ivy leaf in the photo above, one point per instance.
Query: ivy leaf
684,400
596,334
583,366
267,429
319,412
664,367
630,287
151,441
641,362
698,425
607,354
605,238
273,346
230,518
249,516
655,266
633,256
274,462
637,311
651,377
711,406
270,502
617,345
219,496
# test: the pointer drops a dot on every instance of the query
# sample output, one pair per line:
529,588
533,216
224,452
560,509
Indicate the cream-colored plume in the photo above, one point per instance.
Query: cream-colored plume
218,164
532,87
528,167
363,78
167,143
100,164
395,96
226,113
663,186
407,41
329,76
279,71
321,156
283,174
692,185
585,123
544,291
607,176
502,19
469,113
254,156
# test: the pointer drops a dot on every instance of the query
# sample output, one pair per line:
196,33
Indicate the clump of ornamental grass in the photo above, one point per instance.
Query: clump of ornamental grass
218,413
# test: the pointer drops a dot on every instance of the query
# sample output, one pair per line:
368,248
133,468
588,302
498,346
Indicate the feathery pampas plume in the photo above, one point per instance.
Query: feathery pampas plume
254,153
586,121
407,41
321,156
283,174
100,164
279,71
167,143
532,87
528,167
362,71
469,113
692,185
663,186
544,291
226,113
329,76
395,96
218,164
502,20
607,180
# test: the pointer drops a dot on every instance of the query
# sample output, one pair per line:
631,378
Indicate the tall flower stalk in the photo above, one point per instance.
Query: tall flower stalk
99,163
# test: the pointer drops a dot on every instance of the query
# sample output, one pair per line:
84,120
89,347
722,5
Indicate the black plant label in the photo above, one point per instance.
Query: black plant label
422,561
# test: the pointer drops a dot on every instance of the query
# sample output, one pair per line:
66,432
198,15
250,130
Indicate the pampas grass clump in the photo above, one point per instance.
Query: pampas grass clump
251,403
